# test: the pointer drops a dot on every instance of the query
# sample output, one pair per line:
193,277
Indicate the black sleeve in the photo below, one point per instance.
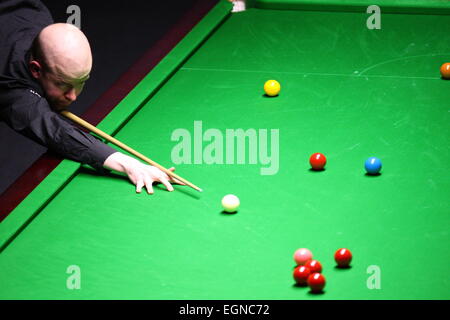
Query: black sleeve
30,115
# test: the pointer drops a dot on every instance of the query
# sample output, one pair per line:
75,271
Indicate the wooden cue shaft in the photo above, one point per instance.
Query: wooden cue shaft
106,136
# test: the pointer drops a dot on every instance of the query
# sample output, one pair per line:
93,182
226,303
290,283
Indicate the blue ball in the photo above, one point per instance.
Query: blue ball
373,165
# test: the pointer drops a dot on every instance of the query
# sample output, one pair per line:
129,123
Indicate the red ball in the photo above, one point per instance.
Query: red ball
314,266
343,257
316,282
301,275
317,161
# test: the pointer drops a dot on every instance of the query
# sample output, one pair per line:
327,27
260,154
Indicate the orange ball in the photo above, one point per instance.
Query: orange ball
445,71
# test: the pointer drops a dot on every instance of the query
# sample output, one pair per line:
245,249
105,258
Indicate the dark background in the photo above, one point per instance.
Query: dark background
119,32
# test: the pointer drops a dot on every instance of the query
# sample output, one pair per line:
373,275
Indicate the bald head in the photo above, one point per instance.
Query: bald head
61,61
65,50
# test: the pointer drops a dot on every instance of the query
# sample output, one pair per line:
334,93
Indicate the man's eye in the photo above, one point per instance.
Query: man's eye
63,85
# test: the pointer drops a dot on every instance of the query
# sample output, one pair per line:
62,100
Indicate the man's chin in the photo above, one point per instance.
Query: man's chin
60,106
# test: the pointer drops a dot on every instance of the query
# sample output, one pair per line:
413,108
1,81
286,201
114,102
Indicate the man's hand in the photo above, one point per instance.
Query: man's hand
139,174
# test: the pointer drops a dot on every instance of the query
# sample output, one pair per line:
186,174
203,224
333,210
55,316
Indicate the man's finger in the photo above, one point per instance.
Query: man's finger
174,180
149,185
139,185
178,182
167,176
165,182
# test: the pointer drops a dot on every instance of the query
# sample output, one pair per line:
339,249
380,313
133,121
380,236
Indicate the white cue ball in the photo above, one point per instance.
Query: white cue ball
230,203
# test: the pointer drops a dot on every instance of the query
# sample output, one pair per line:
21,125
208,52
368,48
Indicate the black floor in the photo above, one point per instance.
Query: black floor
119,32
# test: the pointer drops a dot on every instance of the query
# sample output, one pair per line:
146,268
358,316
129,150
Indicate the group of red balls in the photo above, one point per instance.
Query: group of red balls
308,271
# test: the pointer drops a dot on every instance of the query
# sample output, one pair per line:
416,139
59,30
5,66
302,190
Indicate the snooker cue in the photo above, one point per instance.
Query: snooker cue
107,137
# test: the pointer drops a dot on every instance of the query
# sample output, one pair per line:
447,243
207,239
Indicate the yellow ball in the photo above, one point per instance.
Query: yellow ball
272,88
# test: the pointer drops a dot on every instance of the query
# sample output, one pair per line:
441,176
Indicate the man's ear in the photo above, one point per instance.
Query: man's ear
35,69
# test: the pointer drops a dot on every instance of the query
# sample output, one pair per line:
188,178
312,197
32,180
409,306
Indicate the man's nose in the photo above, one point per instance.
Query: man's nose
71,95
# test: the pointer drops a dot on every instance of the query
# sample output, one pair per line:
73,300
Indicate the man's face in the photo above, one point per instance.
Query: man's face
60,90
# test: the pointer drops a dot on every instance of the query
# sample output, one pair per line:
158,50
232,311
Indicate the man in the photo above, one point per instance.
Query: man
43,69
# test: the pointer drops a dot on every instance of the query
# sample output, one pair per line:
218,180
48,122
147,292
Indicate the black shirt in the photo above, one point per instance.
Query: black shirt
23,105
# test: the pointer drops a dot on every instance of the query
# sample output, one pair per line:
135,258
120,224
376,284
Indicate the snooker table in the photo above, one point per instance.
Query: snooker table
346,91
